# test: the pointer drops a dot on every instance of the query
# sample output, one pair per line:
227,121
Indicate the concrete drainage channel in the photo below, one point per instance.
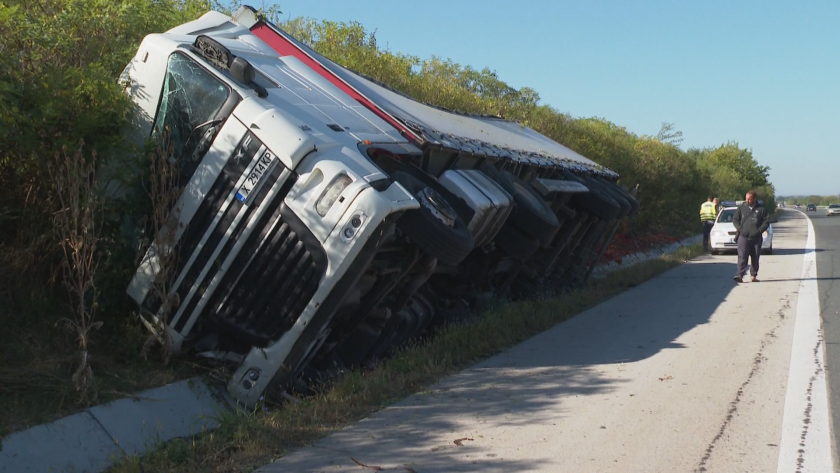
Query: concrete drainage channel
91,440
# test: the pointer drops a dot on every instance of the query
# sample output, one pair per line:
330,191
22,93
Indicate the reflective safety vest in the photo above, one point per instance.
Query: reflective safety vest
707,211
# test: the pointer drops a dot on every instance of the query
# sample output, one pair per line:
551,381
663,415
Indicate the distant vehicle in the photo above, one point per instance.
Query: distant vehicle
833,209
798,206
723,234
811,208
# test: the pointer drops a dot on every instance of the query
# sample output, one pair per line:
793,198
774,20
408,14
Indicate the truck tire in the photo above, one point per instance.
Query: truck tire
610,190
531,214
634,204
449,242
595,202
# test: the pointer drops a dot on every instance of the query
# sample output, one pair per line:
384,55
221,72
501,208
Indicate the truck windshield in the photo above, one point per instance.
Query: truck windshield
191,99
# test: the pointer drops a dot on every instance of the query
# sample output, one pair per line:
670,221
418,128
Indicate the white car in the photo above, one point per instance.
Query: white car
723,234
833,209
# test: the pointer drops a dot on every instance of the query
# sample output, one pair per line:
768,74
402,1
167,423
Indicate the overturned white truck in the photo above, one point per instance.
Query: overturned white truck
325,219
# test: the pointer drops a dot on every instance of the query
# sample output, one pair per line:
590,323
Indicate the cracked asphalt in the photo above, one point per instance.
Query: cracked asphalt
688,372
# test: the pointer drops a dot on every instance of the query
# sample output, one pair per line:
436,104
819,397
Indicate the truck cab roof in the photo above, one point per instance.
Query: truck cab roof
479,135
325,112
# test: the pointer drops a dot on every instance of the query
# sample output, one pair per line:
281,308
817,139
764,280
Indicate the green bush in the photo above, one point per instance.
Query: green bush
59,63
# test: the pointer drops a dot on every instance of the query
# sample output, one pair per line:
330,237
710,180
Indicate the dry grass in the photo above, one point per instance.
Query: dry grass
163,192
247,440
77,223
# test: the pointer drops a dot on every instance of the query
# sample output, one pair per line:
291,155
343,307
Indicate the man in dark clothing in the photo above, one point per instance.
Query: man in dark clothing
751,221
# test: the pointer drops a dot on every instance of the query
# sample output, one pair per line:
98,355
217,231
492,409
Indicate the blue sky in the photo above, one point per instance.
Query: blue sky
765,74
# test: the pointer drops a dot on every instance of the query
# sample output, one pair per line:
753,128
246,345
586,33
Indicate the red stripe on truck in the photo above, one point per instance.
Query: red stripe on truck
285,47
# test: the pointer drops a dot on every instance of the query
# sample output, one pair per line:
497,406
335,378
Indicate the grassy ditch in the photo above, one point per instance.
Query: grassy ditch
244,441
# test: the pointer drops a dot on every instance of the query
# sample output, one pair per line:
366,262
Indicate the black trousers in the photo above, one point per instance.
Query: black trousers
748,249
707,231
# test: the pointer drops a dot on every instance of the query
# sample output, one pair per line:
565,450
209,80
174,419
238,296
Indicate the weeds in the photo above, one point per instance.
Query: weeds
163,193
77,224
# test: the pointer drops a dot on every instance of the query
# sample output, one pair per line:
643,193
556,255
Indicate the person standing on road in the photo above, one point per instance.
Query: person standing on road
708,212
751,221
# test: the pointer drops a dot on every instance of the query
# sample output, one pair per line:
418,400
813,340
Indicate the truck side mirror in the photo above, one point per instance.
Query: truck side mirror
243,71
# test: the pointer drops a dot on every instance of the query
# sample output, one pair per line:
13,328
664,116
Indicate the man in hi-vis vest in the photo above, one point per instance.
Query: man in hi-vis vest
708,213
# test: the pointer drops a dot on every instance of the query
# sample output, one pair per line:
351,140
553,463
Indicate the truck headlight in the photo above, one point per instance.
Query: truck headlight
331,193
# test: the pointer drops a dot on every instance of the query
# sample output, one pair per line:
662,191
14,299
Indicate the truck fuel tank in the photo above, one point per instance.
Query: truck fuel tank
491,203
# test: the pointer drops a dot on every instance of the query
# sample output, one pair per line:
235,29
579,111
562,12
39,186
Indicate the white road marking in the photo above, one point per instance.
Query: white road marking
806,438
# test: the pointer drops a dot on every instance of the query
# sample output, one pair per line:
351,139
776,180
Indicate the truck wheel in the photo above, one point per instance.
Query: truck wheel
634,204
594,201
435,226
531,214
611,191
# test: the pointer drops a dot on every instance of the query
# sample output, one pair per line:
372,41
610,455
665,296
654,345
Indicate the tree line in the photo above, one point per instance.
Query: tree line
810,199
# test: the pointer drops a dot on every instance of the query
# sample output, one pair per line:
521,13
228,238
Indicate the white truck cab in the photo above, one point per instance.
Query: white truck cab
279,209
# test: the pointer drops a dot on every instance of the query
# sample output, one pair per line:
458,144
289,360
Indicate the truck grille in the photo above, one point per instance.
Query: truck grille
202,221
273,279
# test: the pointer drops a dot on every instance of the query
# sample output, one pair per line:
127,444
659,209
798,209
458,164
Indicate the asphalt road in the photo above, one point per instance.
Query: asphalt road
688,372
827,231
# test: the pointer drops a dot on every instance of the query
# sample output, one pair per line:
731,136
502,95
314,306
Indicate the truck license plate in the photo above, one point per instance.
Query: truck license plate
263,167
